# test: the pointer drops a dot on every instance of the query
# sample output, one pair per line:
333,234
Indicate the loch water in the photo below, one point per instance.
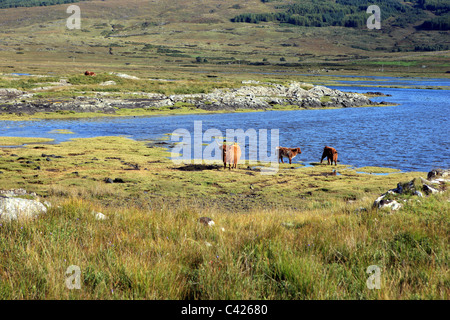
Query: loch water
410,136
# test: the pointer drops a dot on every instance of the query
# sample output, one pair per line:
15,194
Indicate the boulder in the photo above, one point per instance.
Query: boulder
389,204
430,190
17,208
434,185
321,91
439,175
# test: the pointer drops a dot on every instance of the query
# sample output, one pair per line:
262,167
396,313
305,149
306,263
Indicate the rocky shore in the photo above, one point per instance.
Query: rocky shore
253,96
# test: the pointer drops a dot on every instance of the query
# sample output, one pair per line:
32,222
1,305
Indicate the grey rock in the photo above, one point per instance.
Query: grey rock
389,204
430,190
261,96
418,193
13,192
10,93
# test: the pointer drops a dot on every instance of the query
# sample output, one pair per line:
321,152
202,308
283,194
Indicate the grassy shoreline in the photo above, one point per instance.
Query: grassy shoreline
299,234
139,112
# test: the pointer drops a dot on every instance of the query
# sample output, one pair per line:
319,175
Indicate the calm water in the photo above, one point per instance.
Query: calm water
413,136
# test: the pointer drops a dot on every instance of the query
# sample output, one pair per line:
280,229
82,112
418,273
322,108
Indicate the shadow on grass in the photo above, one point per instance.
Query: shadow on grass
199,167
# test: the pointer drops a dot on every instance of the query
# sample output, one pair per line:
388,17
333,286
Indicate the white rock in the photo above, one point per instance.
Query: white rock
108,83
123,75
418,193
393,205
99,216
17,208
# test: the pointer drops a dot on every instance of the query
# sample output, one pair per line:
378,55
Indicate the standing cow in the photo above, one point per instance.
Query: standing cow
331,154
288,153
230,155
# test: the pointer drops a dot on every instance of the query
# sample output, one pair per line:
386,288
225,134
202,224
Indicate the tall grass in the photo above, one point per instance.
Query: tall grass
302,234
165,253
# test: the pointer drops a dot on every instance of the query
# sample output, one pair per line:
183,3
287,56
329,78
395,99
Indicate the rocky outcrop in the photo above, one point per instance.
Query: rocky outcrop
434,184
258,97
6,93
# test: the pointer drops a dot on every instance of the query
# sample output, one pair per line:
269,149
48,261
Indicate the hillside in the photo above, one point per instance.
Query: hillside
182,39
32,3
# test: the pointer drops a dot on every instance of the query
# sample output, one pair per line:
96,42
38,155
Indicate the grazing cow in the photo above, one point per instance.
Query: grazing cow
230,154
331,155
287,152
89,73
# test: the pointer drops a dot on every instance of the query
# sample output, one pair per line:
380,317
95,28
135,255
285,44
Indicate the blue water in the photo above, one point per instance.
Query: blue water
413,136
413,82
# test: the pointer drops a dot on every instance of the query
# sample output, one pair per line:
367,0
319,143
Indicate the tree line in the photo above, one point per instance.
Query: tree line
352,13
33,3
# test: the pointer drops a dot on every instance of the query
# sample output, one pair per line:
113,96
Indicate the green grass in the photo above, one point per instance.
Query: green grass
299,234
61,131
377,170
396,63
295,235
18,141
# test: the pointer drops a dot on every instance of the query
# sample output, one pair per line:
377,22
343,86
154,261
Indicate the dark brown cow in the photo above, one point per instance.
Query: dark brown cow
89,73
288,153
331,154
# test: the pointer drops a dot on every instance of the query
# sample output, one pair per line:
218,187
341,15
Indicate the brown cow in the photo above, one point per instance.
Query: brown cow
89,73
331,155
287,152
231,155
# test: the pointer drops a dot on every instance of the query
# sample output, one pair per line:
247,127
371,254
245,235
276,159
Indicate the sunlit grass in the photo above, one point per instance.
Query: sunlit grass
17,141
299,234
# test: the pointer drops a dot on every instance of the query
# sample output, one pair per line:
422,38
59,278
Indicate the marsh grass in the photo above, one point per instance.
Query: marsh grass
18,141
166,254
299,234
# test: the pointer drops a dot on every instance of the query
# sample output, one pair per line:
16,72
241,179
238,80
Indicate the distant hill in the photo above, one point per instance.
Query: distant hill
148,35
434,14
33,3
